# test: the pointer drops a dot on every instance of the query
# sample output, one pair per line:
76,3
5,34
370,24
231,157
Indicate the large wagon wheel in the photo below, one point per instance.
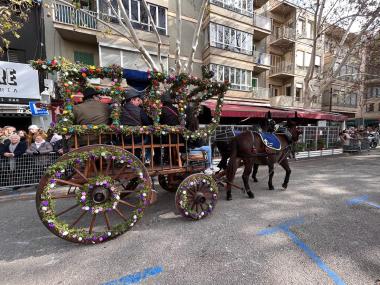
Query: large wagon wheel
196,196
93,194
171,182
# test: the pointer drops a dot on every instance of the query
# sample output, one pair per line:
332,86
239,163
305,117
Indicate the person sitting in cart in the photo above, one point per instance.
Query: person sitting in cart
91,111
132,114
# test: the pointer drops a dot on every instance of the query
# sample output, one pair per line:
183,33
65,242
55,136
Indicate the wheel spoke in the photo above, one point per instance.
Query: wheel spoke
126,203
94,166
120,172
80,174
92,223
101,165
107,221
64,196
68,209
108,167
121,214
68,183
78,219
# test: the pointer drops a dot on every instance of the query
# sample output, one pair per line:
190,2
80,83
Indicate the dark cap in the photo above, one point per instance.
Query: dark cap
89,92
166,98
132,93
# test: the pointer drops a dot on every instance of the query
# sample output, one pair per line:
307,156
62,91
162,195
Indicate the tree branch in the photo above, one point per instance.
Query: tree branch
179,34
196,37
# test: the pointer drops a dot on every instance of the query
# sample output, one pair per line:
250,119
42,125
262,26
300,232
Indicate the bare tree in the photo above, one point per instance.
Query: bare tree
337,16
13,15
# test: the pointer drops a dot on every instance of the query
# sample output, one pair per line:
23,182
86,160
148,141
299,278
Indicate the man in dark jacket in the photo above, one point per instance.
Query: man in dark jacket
131,113
14,148
169,113
91,111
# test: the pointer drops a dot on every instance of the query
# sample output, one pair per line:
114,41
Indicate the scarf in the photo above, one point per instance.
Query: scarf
39,144
12,147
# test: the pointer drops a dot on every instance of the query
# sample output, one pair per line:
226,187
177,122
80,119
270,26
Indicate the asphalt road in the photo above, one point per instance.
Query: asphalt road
323,237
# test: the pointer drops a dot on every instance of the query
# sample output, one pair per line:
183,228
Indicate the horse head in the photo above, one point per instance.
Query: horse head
291,124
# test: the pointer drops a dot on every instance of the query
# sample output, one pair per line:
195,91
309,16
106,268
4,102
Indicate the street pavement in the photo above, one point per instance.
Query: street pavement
313,233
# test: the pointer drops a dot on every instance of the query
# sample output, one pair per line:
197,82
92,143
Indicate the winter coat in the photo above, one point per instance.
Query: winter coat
132,115
45,147
169,116
20,149
91,112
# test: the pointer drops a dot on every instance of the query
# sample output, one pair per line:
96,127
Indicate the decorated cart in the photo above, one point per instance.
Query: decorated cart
100,188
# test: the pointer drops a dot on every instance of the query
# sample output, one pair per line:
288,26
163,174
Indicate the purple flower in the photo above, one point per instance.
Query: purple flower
45,203
68,100
83,69
52,180
139,210
51,225
52,124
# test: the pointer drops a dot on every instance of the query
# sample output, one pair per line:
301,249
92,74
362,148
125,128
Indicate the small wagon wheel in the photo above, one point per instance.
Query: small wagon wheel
170,182
93,194
196,196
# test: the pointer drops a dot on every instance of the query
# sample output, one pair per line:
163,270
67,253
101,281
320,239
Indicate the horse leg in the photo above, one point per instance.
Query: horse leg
271,173
247,171
285,165
254,173
231,172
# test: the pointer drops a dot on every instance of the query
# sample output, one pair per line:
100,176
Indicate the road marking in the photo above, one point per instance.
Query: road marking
136,277
362,200
284,228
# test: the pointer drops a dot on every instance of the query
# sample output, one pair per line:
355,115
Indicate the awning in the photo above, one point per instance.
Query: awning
245,111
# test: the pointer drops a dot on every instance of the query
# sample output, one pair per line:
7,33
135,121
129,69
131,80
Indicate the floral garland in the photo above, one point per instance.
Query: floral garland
57,170
74,81
187,185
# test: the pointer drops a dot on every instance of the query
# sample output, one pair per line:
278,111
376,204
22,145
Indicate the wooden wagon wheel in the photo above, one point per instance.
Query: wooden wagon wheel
171,182
86,196
196,196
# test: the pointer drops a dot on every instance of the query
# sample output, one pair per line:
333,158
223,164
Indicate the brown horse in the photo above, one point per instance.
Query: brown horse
249,148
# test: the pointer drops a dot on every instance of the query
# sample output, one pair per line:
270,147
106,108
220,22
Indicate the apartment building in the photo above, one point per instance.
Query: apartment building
344,94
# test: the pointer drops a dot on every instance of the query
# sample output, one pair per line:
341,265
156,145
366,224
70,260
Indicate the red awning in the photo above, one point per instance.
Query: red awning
245,111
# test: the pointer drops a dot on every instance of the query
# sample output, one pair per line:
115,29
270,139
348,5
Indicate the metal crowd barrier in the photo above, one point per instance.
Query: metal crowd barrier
25,170
356,145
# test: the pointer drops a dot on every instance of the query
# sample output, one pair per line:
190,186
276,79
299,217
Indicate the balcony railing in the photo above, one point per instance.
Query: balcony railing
282,67
260,93
261,58
262,22
232,6
283,33
68,15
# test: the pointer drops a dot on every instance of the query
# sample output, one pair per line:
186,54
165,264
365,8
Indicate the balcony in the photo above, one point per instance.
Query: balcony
263,27
81,18
232,6
261,61
260,93
259,3
282,36
282,7
68,20
282,70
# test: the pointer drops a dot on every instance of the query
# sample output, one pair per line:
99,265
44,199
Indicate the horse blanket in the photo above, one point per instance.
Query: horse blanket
270,140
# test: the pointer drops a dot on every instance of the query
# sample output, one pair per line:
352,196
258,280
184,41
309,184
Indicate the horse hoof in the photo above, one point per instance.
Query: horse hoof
284,187
255,180
250,195
271,188
229,197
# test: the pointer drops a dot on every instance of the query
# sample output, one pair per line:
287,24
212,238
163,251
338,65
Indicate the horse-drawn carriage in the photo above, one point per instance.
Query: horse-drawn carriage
100,188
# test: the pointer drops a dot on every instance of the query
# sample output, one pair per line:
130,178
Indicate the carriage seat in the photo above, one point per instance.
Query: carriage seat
195,156
270,140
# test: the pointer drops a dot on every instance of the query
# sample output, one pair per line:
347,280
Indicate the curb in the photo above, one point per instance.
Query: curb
21,197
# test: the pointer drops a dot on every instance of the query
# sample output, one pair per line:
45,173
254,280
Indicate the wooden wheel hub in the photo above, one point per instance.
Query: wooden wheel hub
200,198
100,195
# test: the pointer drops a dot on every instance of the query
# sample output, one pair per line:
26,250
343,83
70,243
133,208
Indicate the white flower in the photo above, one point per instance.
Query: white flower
117,197
109,234
49,221
96,211
103,154
121,161
86,208
83,197
62,171
202,213
135,217
52,185
186,213
44,208
65,233
144,194
44,66
80,238
204,180
210,206
183,192
132,224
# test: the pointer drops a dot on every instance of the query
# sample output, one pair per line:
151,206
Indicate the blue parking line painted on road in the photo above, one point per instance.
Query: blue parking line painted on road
284,227
314,257
362,200
137,277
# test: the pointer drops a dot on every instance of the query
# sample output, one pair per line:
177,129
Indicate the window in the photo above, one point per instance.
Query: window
240,79
254,82
138,15
309,30
244,7
299,89
371,107
230,39
299,57
84,57
301,27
